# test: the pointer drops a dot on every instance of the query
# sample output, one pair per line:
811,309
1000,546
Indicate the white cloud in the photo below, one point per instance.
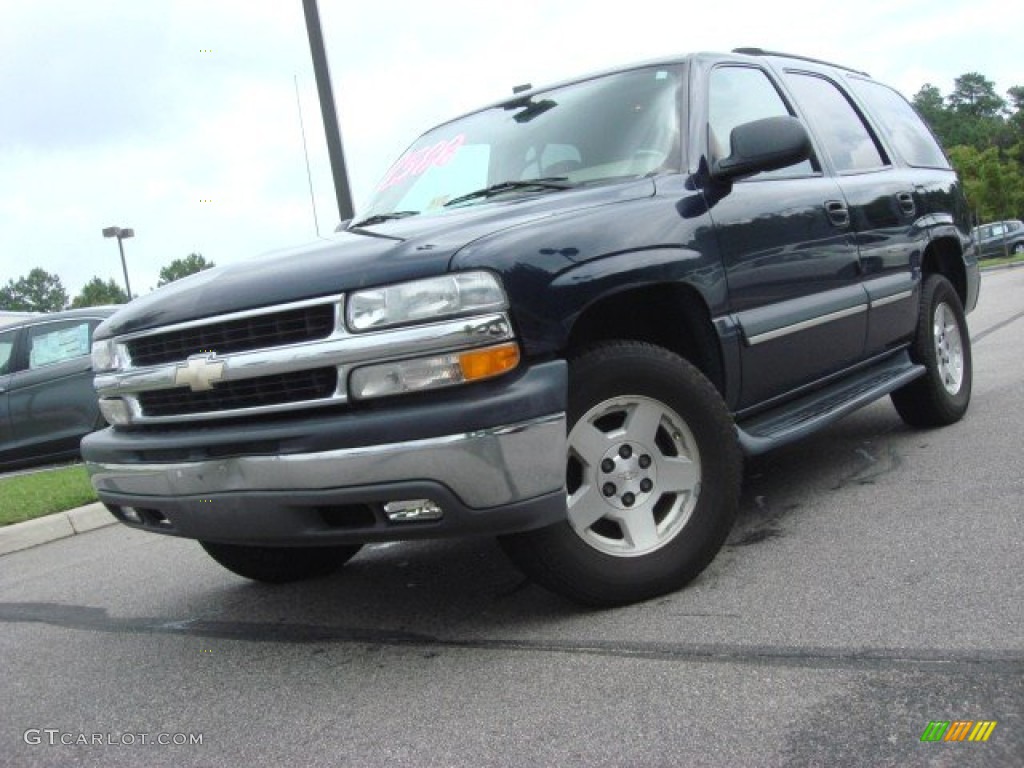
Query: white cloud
115,114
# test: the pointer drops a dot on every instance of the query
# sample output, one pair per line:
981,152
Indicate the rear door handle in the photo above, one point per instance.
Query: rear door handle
906,203
838,213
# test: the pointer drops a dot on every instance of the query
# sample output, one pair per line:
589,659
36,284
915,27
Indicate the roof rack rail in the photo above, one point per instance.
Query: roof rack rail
763,52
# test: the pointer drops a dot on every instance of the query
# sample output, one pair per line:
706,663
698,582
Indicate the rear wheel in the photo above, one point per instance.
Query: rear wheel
1018,248
652,475
278,565
943,346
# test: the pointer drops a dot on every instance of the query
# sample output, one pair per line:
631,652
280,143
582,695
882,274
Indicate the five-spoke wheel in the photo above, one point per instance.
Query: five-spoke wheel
633,475
652,479
943,346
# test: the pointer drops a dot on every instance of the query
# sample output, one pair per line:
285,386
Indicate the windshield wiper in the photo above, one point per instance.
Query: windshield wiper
377,218
548,182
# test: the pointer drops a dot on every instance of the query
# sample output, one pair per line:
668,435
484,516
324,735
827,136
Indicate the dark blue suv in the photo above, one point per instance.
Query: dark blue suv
562,319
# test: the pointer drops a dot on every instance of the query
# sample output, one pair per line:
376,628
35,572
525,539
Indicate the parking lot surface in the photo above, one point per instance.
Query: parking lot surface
873,584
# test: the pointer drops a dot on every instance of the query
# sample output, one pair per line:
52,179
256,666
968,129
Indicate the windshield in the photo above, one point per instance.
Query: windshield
620,125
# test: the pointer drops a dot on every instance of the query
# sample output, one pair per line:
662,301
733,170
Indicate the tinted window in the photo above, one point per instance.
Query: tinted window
901,124
56,342
847,140
741,95
6,350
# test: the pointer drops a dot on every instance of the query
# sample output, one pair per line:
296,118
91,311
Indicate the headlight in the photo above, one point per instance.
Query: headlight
424,300
104,356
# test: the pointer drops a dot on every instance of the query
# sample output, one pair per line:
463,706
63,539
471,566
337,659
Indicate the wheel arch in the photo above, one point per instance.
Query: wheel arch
944,256
671,315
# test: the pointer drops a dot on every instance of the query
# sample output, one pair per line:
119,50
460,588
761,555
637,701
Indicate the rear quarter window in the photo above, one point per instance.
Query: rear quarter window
902,126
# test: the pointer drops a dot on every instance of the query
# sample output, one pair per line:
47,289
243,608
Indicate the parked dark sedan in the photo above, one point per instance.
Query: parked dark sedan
47,402
1000,238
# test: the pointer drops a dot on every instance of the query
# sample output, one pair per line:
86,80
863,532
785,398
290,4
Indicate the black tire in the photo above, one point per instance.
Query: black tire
942,345
279,565
631,403
1018,248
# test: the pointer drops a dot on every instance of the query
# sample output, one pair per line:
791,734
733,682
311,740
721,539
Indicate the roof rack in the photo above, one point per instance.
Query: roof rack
763,52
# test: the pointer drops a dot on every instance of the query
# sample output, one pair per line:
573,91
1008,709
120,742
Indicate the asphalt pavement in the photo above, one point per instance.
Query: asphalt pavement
874,583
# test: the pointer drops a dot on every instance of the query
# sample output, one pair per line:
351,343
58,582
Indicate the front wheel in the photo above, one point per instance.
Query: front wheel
652,476
278,565
943,346
1018,249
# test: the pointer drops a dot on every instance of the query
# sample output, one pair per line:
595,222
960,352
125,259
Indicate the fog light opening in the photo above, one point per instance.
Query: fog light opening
115,411
131,515
412,510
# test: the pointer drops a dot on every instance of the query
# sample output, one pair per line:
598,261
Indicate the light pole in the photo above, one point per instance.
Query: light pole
121,233
327,109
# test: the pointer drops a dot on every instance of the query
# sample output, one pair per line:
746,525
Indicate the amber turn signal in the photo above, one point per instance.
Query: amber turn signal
484,363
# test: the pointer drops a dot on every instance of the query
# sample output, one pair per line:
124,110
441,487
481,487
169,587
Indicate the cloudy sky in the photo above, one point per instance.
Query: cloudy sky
179,118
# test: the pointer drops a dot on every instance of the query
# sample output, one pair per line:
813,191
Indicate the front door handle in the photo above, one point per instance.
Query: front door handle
838,213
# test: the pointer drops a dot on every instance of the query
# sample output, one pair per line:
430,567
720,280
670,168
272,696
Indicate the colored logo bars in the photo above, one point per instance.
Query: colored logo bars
958,730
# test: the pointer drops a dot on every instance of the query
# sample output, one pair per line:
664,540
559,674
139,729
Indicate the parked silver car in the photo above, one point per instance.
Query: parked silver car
47,402
999,238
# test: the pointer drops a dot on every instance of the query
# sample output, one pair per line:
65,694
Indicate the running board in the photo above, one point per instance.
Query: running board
799,418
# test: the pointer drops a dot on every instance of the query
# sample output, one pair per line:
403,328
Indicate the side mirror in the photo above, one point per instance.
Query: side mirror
764,145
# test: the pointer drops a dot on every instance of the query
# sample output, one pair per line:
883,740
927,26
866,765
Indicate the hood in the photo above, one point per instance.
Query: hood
404,249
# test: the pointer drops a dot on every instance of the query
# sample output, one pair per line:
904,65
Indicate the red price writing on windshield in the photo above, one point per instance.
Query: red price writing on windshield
418,161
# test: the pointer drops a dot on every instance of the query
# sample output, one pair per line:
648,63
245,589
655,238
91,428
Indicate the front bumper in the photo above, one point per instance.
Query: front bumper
326,480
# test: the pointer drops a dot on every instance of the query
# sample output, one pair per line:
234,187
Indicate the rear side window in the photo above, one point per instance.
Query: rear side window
903,127
56,342
847,139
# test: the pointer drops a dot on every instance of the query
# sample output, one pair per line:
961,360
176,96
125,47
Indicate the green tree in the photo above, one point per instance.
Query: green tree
96,293
973,114
977,113
993,183
1016,120
975,95
984,137
180,268
39,291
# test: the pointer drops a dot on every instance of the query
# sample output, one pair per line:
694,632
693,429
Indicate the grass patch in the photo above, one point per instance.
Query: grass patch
998,262
42,493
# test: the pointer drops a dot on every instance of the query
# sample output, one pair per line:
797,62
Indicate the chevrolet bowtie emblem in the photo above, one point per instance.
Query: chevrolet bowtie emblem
200,372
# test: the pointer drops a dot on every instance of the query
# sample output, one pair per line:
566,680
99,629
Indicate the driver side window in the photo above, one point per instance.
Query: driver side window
738,95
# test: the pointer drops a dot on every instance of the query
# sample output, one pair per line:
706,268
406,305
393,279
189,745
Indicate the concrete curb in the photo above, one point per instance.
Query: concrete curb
998,267
32,533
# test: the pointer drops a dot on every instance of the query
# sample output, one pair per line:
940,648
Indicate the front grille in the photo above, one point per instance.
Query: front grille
280,389
273,329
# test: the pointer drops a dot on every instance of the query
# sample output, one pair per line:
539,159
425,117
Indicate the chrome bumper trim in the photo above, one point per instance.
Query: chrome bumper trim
485,468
